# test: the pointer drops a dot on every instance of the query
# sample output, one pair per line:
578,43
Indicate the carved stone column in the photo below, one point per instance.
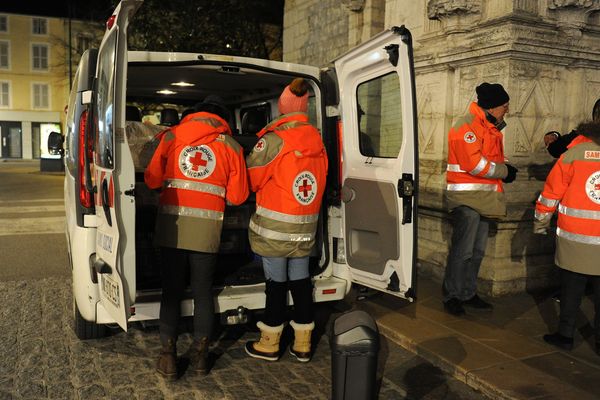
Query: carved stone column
455,15
572,15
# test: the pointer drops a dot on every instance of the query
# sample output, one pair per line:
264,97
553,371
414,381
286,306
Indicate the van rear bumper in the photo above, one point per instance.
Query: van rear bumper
251,297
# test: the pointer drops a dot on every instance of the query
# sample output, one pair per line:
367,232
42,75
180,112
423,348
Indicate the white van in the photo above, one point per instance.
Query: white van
363,104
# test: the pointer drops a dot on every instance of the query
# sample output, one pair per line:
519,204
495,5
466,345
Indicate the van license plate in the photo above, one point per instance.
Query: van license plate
111,290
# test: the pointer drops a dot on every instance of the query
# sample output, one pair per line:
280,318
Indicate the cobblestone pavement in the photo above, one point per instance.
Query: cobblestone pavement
40,357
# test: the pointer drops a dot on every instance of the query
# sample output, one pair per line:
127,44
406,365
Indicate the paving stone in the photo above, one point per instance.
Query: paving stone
61,390
94,391
40,357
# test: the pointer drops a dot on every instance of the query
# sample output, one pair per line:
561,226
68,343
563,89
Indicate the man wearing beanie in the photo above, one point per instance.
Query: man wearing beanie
287,169
474,194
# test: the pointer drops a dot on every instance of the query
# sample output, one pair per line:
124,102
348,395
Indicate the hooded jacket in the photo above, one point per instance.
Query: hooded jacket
198,165
287,169
476,165
573,188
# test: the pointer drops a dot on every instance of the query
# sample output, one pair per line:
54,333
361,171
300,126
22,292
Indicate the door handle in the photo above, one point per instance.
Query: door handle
406,189
105,202
348,194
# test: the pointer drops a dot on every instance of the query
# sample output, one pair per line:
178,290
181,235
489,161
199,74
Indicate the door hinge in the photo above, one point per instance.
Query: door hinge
332,111
130,192
393,53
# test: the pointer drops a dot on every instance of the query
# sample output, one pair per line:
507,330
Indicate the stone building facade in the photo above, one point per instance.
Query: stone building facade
546,53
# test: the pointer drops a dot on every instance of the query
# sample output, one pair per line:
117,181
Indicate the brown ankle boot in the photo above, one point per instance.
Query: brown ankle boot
198,356
267,348
301,347
167,363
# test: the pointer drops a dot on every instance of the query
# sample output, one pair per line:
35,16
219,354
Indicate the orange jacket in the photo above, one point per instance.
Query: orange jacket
287,169
573,187
198,165
476,164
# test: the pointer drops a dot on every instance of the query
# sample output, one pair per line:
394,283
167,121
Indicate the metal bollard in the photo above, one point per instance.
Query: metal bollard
354,350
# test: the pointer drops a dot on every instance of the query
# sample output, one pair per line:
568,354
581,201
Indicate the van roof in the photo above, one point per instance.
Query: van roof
235,79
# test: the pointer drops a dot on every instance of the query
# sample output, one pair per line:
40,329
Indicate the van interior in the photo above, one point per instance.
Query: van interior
158,95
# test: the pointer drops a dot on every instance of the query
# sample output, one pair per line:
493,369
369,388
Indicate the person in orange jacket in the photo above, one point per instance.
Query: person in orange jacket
573,187
287,169
197,165
474,194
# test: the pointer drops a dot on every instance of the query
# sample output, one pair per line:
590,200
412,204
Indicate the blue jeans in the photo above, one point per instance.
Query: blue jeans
469,238
282,269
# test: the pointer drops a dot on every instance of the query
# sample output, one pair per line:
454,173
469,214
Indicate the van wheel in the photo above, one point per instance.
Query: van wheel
85,329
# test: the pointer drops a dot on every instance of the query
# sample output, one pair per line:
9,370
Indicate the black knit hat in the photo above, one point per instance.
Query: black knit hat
490,95
214,104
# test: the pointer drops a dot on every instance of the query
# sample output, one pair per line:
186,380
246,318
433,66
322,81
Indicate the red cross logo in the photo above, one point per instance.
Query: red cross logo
305,188
260,145
198,161
597,186
470,137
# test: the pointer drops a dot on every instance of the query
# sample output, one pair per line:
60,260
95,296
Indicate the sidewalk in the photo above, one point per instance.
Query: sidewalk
501,353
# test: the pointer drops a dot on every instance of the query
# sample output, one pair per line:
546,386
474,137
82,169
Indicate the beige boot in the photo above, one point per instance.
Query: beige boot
167,362
301,346
198,356
267,348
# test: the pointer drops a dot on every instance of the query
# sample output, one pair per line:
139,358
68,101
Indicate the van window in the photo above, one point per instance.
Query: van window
72,139
380,116
104,102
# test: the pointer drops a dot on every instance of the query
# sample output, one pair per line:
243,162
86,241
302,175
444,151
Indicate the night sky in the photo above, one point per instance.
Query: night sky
82,9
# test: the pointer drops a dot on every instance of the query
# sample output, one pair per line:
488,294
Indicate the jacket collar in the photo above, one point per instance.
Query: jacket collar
479,113
283,119
578,139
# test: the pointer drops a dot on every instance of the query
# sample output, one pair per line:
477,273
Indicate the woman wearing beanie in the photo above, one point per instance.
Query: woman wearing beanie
474,194
287,169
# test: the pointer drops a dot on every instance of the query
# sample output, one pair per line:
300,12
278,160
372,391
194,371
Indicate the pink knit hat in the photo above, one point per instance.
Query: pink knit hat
294,97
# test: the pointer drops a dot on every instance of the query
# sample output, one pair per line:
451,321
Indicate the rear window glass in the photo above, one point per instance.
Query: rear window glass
104,102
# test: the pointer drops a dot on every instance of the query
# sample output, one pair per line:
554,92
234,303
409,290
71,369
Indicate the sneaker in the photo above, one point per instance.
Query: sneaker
454,307
558,340
478,303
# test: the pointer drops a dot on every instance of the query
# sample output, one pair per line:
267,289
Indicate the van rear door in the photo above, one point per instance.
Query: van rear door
379,162
114,171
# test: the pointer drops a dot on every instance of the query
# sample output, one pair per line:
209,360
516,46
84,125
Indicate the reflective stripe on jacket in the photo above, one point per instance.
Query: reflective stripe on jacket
476,165
573,188
198,166
287,169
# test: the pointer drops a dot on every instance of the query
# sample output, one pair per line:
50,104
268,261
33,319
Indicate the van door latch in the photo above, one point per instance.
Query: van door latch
406,189
130,192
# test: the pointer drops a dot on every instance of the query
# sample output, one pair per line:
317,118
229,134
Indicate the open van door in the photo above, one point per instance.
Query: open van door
379,162
114,175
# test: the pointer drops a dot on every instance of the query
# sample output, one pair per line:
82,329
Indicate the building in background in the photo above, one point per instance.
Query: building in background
546,54
38,57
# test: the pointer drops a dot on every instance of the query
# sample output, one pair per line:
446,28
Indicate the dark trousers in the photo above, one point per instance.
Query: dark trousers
176,266
469,238
572,290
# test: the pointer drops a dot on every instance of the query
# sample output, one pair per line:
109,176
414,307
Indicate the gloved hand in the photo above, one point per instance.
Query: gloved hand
512,174
541,227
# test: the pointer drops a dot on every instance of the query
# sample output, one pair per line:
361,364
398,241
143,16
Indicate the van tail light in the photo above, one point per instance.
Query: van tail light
110,22
85,197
